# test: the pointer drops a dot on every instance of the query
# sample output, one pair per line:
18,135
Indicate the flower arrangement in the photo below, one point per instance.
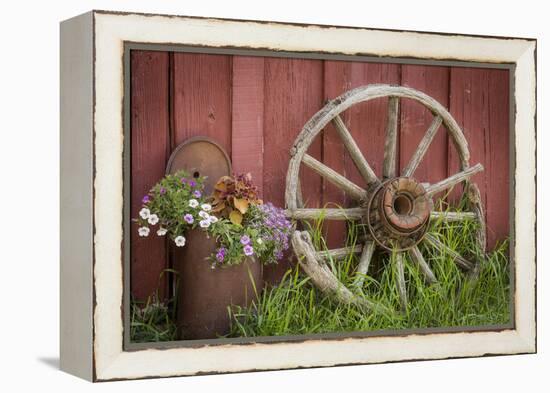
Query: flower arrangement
234,195
242,225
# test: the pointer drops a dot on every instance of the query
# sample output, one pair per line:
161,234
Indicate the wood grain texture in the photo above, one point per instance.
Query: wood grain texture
364,263
247,144
201,102
150,150
355,153
293,93
479,103
350,214
418,259
336,80
255,108
390,144
350,188
416,119
400,280
339,253
368,120
454,180
366,123
497,162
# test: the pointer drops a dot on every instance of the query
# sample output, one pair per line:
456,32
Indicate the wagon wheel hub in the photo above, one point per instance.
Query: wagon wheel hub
398,213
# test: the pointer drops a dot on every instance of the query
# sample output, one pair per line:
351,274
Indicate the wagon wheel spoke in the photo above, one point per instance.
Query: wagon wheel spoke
419,260
453,180
474,199
334,177
390,146
364,262
359,160
350,214
338,253
420,151
453,216
401,286
458,259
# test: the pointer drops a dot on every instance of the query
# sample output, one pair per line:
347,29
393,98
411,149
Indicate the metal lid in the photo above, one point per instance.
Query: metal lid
200,156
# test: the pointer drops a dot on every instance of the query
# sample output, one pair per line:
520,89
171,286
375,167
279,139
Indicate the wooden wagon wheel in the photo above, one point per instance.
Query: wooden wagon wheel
397,208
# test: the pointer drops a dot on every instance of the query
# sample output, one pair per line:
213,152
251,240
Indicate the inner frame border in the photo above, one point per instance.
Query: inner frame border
233,51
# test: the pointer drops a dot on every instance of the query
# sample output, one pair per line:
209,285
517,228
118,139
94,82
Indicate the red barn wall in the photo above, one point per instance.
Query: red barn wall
255,107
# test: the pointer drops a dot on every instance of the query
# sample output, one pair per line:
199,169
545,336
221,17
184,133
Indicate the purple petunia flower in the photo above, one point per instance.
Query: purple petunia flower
162,191
183,180
189,218
220,255
248,250
197,194
245,240
146,199
192,183
275,230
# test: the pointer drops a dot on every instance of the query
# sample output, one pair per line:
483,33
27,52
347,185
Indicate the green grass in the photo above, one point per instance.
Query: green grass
295,306
154,320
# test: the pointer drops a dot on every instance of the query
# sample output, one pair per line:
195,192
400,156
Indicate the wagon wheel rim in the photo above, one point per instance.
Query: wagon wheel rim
399,231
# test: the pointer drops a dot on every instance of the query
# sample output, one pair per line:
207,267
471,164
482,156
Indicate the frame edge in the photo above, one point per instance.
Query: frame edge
76,196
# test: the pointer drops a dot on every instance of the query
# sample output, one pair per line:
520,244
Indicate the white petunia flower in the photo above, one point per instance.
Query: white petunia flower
153,219
162,231
144,213
213,219
204,223
143,231
204,215
180,241
206,207
193,203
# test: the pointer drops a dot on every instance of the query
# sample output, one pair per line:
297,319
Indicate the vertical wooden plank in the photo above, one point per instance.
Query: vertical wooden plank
337,80
248,117
201,103
149,148
368,120
415,120
498,160
367,124
479,103
293,93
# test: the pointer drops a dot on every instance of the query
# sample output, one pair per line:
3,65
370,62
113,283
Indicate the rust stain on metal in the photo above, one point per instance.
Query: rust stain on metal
398,213
200,156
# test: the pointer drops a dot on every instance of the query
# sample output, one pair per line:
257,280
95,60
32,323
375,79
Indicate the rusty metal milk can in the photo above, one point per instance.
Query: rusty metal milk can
205,294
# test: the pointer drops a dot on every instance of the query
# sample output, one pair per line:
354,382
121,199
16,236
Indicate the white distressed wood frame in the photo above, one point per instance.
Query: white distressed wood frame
92,120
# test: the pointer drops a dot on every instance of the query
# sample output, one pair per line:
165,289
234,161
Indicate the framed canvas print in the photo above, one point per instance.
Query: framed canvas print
243,195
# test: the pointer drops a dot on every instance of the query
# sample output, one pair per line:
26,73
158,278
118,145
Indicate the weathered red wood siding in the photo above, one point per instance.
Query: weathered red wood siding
255,107
150,147
415,120
285,114
479,103
247,142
